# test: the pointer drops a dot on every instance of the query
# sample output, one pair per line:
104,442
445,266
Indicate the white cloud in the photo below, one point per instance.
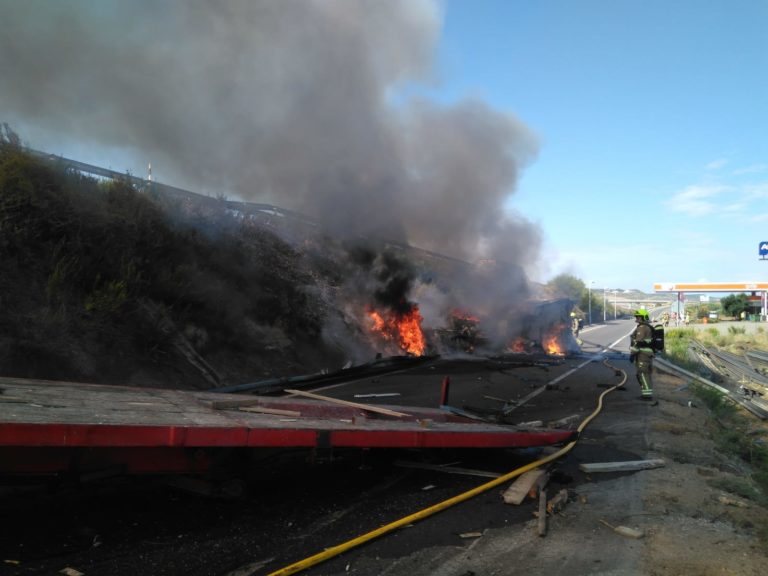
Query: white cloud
753,169
717,164
696,200
756,191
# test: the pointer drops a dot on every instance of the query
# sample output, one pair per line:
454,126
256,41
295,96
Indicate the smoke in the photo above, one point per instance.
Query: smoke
286,102
292,102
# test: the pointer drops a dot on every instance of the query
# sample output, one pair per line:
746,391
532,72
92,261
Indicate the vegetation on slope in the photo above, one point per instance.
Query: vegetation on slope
100,283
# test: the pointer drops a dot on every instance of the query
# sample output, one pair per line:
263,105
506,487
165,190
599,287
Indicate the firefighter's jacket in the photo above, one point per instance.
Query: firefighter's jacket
641,341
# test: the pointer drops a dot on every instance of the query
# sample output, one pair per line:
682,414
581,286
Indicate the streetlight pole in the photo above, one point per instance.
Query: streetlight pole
615,292
604,291
589,302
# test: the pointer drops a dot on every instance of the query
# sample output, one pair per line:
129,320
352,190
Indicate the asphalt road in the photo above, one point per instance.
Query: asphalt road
435,546
296,507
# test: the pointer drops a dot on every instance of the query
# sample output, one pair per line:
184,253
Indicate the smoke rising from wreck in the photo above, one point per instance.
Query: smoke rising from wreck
286,102
390,279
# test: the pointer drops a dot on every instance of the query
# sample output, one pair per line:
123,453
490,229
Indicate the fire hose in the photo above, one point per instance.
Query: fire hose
439,507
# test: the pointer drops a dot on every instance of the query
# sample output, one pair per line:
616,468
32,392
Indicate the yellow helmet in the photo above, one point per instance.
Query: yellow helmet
573,314
642,313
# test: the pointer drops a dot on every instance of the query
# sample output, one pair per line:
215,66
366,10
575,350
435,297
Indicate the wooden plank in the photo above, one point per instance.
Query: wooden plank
542,523
624,530
557,503
519,489
265,410
367,407
621,466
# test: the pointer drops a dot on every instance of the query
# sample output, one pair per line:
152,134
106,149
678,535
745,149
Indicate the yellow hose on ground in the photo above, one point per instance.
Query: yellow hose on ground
349,544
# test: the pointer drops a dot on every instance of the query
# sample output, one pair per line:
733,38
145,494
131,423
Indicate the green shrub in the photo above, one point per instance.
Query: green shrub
717,403
108,299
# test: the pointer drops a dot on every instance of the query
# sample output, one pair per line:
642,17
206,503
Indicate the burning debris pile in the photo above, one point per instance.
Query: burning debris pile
389,307
402,328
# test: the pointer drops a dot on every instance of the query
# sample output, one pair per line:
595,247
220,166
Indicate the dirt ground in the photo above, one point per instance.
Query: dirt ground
693,527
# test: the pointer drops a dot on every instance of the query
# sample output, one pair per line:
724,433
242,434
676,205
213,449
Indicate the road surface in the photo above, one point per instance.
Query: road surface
297,507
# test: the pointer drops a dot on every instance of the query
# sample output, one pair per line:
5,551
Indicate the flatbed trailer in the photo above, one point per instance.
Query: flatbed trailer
58,427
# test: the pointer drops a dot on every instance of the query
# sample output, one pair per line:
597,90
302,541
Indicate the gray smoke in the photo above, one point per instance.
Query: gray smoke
286,101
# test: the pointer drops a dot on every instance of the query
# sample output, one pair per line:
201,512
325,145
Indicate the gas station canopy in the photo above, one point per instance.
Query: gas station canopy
710,287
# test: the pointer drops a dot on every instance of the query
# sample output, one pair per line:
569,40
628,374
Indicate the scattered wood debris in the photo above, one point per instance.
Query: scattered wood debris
368,407
624,531
521,487
470,535
542,523
265,410
621,466
558,502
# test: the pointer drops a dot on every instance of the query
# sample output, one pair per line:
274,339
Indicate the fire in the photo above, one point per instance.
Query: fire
552,346
551,342
403,329
462,315
518,345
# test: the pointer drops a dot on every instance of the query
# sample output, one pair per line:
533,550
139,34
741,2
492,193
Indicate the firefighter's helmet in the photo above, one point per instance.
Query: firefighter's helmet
642,313
573,314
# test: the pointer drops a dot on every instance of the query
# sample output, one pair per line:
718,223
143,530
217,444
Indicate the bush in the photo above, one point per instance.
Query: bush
89,253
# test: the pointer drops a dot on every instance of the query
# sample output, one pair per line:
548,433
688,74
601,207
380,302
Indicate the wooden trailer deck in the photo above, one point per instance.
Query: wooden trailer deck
39,419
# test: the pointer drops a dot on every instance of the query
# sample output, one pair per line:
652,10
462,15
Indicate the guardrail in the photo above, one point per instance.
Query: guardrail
747,404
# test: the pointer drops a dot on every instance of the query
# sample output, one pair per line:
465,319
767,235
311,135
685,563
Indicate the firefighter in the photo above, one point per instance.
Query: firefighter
641,353
575,327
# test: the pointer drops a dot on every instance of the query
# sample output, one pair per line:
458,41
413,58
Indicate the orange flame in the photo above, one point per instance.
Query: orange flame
462,315
551,343
518,345
404,329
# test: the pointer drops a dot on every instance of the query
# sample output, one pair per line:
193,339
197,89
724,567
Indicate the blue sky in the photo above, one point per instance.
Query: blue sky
652,118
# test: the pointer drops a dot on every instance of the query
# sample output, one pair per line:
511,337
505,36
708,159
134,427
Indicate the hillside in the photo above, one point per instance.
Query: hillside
101,282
